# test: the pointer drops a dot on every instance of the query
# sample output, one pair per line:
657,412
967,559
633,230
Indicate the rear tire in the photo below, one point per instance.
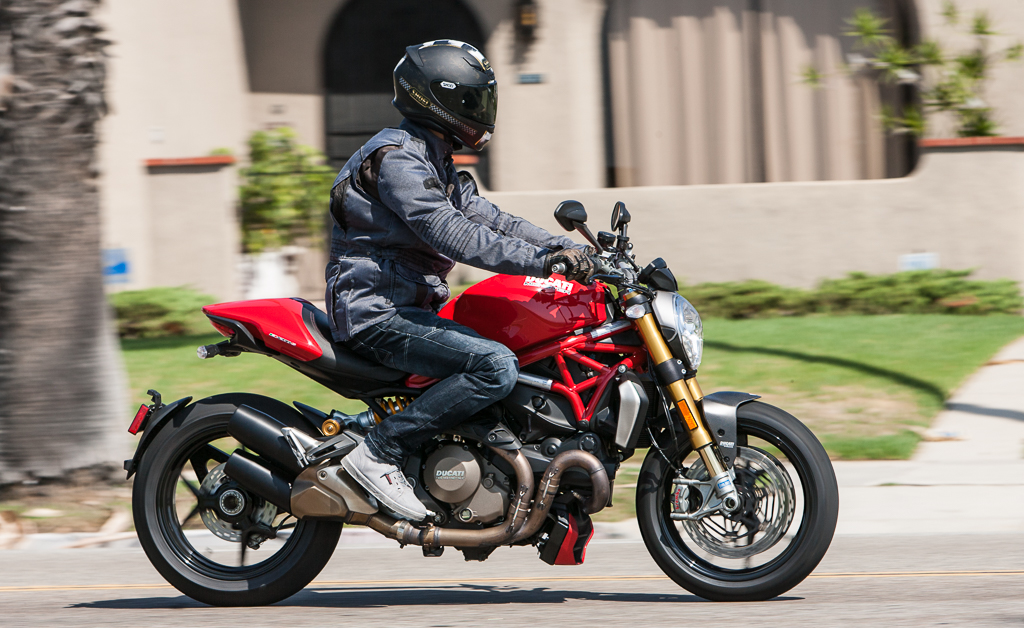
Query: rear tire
282,574
698,572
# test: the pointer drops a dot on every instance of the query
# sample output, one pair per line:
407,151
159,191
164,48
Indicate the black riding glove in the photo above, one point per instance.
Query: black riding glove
577,265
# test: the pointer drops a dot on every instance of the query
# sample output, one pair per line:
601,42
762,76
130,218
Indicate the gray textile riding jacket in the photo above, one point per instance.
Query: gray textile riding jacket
402,217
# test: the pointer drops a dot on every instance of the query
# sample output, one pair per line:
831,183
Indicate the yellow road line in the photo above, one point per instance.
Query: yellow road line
319,584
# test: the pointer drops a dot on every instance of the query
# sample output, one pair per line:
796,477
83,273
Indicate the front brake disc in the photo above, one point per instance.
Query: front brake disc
767,511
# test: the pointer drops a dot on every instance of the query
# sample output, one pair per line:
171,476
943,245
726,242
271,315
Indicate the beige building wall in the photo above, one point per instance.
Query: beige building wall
302,112
192,211
177,88
550,135
965,204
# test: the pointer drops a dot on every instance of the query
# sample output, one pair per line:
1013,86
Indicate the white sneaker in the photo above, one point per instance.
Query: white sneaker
384,481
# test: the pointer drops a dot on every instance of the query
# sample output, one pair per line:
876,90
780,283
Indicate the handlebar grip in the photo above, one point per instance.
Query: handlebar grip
558,268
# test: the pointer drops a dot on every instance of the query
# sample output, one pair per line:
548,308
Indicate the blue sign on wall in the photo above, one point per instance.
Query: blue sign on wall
115,265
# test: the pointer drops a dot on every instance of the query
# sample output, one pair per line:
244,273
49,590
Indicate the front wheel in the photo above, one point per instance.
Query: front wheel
777,537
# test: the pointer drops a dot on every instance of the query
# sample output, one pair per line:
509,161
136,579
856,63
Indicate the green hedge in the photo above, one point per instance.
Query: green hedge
161,312
912,292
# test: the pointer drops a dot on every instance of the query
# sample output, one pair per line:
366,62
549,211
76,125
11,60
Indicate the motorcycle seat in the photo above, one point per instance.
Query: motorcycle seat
341,362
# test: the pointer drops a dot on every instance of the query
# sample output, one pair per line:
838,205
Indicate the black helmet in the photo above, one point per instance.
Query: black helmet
449,86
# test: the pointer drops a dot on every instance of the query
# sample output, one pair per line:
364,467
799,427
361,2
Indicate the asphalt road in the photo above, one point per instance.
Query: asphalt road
966,580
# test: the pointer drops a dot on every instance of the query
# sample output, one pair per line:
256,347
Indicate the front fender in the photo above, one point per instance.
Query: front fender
153,424
720,413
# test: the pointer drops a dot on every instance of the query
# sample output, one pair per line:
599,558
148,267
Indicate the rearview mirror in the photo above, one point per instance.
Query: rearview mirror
569,214
620,215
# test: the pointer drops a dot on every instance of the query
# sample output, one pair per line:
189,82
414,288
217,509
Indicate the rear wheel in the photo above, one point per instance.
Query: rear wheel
779,535
209,537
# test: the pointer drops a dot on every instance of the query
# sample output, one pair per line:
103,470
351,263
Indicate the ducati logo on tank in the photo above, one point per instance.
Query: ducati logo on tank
565,287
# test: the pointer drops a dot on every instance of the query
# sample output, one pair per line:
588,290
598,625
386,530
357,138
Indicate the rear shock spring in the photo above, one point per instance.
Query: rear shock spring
391,405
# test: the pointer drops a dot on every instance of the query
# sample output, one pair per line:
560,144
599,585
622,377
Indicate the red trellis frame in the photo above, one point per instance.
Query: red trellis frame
569,348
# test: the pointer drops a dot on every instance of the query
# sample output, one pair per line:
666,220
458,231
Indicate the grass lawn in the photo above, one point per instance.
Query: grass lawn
170,365
864,384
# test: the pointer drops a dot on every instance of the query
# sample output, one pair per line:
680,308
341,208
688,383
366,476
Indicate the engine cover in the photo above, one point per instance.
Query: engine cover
452,473
477,491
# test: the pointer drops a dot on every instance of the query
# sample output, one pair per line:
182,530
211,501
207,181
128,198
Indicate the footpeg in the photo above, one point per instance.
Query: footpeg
309,454
297,447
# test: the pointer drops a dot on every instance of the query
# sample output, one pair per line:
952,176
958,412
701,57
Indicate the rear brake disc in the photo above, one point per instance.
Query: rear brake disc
262,514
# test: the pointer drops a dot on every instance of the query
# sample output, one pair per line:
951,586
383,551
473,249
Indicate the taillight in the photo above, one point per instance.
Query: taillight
223,329
140,416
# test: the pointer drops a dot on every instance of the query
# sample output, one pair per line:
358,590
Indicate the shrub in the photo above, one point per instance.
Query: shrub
918,292
951,82
912,292
747,299
160,312
284,193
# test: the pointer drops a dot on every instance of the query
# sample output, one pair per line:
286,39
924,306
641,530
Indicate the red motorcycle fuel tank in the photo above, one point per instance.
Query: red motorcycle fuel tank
520,312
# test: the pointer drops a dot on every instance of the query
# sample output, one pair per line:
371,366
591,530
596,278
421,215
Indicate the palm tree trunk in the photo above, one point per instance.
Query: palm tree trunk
60,376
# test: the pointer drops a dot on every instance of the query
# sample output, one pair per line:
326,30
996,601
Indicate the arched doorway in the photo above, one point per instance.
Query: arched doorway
364,43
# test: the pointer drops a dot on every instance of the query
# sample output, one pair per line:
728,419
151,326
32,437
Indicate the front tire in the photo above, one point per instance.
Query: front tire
766,432
195,443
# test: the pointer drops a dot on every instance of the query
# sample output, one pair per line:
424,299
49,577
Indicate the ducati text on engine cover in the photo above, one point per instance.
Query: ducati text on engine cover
453,474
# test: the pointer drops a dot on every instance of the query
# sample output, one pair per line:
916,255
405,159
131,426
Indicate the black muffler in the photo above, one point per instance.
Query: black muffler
242,467
264,435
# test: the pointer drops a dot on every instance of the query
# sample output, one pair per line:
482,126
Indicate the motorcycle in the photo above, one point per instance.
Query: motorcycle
736,500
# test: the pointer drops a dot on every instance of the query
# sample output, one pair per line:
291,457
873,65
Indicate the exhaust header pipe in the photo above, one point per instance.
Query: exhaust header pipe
516,530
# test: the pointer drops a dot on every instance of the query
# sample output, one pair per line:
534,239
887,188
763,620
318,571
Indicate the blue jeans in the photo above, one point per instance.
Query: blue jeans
474,373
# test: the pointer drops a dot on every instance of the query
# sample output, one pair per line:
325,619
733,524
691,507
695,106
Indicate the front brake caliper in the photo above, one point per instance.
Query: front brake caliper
693,499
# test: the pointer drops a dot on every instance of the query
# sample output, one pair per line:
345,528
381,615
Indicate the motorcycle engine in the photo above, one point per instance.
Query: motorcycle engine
459,476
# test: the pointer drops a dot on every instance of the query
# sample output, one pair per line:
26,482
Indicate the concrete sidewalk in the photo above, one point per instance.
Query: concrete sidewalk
971,483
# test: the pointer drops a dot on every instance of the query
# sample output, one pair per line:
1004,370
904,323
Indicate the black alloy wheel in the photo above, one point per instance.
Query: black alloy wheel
777,538
211,539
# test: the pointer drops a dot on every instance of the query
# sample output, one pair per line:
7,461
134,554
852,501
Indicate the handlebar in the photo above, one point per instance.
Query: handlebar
606,271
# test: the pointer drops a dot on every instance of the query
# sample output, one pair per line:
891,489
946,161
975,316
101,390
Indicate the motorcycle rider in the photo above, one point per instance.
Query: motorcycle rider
402,217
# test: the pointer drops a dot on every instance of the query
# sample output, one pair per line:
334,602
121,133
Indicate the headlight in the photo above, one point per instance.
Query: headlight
680,324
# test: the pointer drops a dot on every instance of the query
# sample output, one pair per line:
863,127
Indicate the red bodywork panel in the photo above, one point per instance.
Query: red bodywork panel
277,322
573,550
520,312
566,555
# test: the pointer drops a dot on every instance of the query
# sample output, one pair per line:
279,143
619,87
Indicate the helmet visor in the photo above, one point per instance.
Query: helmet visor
478,103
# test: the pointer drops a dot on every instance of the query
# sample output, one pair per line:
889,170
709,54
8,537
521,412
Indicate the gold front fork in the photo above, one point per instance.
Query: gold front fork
685,393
